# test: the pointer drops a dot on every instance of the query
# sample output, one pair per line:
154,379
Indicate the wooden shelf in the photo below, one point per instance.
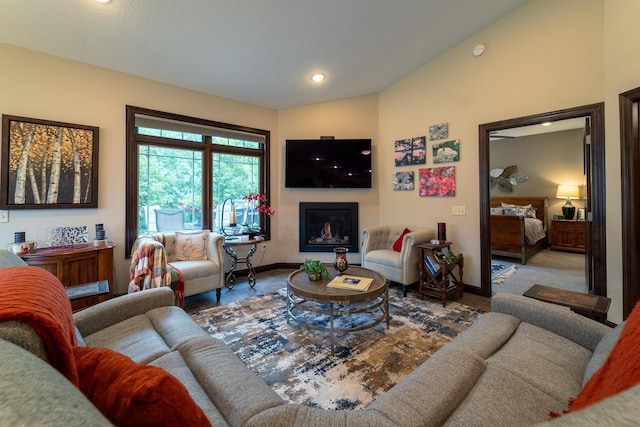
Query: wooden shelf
446,278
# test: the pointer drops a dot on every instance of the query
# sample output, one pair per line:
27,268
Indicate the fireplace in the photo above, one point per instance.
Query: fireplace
325,226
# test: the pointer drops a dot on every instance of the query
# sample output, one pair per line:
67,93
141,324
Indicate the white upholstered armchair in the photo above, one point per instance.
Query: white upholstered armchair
378,253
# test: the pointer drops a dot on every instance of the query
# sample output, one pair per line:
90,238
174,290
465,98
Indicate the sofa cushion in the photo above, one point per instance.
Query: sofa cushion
386,257
35,394
601,352
621,369
190,245
196,269
129,394
134,337
177,366
397,245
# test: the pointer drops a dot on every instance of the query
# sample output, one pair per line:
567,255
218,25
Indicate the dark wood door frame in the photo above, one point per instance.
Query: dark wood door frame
630,191
595,113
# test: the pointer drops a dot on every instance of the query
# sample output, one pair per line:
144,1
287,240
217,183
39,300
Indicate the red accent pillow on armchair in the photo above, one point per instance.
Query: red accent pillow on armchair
397,245
130,394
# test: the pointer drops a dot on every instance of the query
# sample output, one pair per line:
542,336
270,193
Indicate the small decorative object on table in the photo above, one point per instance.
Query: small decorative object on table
315,269
341,263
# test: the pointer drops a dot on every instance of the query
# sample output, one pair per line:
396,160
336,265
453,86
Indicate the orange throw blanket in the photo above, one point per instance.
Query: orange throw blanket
34,296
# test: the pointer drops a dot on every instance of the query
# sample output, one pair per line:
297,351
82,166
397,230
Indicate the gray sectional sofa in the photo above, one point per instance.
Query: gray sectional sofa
510,368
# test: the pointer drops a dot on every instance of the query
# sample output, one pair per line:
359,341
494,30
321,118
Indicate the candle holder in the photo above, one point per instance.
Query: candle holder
232,228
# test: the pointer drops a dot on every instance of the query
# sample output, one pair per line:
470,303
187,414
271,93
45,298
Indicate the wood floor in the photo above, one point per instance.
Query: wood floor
270,281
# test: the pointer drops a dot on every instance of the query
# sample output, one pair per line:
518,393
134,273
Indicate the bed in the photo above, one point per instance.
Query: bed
514,231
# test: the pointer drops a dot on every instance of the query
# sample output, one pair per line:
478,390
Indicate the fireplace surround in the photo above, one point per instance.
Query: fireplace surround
325,226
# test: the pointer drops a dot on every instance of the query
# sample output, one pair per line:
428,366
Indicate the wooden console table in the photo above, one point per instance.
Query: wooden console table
85,271
592,306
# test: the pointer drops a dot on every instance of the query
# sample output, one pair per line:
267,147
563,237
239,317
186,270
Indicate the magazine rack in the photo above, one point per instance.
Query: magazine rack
439,278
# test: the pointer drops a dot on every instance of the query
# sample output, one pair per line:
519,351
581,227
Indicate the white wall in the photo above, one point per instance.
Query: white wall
348,118
621,73
46,87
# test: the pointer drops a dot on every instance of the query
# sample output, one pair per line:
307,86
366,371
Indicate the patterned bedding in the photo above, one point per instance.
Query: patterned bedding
533,230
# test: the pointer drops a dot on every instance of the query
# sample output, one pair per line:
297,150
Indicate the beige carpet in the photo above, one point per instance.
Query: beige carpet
563,270
298,364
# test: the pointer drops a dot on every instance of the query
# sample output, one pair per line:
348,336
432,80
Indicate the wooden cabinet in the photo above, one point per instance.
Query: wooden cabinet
567,235
85,271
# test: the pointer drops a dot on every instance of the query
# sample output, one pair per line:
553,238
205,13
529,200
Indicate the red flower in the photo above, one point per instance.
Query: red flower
260,204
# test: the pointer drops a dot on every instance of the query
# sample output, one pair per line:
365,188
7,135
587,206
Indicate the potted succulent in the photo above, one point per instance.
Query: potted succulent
315,269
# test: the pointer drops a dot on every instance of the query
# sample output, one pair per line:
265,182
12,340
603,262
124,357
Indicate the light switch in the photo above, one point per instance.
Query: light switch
458,210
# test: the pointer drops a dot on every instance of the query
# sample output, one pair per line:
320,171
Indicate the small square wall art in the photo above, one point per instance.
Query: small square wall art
437,182
446,152
403,181
438,131
412,151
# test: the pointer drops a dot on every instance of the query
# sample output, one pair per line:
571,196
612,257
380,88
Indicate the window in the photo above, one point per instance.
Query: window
185,173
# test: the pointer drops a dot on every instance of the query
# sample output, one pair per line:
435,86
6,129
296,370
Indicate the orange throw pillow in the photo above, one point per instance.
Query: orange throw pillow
397,245
620,371
130,394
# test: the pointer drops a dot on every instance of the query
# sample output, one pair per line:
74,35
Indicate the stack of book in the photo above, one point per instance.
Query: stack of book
431,264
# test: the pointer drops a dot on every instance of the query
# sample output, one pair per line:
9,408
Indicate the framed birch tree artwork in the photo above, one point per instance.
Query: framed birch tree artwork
47,164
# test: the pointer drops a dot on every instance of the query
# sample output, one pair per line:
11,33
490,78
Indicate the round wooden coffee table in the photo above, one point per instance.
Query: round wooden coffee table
306,298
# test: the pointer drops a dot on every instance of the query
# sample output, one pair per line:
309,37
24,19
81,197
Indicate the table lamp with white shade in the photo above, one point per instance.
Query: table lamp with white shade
568,192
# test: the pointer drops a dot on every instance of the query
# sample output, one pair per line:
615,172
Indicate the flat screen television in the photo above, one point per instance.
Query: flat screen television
328,163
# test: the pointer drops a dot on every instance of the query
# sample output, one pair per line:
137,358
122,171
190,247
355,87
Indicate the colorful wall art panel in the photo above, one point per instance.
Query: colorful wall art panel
412,151
446,152
437,182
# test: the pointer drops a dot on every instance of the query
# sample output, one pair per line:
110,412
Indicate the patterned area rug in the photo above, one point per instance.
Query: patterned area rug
297,363
501,272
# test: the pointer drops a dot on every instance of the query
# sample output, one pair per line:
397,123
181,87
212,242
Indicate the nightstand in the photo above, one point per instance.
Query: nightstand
567,235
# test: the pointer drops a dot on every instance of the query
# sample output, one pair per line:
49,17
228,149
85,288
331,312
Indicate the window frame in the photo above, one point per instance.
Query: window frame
134,140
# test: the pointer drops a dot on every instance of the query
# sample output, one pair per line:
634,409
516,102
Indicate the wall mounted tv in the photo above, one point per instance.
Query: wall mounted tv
328,163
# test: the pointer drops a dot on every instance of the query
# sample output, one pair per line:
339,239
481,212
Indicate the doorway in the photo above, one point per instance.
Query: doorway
594,188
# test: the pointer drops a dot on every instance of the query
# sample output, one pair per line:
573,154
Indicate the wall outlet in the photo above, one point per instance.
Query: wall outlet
458,210
4,216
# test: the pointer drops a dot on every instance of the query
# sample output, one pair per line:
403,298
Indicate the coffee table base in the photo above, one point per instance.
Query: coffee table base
299,309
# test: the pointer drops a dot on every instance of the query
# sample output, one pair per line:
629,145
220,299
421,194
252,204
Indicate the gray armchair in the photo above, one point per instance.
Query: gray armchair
402,267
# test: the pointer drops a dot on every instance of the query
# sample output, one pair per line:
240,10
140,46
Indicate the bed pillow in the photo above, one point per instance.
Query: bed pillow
130,394
191,246
497,211
397,245
526,211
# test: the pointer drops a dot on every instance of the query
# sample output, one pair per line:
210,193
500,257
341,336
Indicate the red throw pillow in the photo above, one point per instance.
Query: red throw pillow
130,394
397,245
620,371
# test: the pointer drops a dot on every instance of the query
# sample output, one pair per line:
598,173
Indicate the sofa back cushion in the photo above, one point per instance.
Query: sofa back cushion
602,351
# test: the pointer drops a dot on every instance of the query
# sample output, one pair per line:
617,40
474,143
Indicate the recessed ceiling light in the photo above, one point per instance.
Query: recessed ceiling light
318,77
547,124
104,1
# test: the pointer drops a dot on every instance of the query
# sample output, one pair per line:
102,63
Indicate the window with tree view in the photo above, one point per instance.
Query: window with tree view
190,174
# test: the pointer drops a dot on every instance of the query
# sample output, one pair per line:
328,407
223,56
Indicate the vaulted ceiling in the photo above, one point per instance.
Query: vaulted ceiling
261,52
